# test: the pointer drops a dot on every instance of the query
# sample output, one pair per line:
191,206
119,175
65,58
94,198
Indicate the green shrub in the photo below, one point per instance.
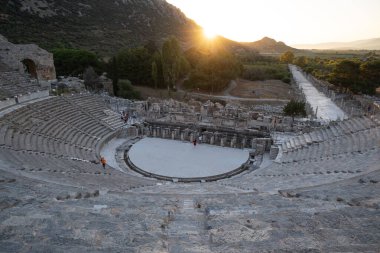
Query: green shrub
295,108
256,72
125,90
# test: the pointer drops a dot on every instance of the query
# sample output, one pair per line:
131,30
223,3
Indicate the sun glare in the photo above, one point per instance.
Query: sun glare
209,33
314,21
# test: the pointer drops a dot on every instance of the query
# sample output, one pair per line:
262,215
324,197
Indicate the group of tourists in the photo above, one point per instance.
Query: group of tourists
195,140
124,116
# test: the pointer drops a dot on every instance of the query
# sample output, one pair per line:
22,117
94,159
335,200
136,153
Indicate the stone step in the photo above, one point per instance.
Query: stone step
188,204
308,138
296,142
324,134
334,131
302,140
292,145
340,129
329,133
288,145
314,137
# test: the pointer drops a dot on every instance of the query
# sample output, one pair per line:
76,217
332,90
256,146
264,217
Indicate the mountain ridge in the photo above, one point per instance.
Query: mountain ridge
106,27
96,25
269,45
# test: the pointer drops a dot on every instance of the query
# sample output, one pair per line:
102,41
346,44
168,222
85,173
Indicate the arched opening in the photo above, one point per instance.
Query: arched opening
30,67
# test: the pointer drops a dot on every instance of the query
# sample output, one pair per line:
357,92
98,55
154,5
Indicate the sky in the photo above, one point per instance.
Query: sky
290,21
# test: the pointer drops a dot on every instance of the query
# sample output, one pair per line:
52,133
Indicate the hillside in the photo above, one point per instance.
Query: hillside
370,44
104,27
100,26
269,46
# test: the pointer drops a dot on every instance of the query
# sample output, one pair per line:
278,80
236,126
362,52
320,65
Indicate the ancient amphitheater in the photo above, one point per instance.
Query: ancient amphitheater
315,189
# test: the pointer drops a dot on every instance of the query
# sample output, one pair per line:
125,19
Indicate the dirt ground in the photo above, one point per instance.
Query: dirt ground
274,89
260,92
159,93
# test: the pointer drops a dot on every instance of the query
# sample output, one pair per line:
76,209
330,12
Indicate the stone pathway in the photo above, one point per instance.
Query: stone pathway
109,151
17,106
187,230
323,106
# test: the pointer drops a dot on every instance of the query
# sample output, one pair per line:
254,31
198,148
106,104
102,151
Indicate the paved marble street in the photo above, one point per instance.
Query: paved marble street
323,106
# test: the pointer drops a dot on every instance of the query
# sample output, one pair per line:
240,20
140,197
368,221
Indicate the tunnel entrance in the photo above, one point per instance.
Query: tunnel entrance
30,67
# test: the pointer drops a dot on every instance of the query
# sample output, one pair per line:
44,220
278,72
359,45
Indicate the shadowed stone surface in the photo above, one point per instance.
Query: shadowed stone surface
54,199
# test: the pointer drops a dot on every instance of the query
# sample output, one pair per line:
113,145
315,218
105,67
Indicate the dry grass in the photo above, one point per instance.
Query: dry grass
272,89
159,93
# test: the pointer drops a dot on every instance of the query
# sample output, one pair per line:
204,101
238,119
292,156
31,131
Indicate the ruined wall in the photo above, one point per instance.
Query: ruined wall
14,55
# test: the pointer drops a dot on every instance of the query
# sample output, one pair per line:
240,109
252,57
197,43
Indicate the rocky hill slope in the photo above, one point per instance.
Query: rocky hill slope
98,25
105,27
268,45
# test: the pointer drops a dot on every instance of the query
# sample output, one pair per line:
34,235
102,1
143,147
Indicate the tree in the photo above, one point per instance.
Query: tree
346,74
370,74
73,61
157,59
300,61
135,65
91,80
113,74
295,108
287,57
155,74
213,70
126,90
172,61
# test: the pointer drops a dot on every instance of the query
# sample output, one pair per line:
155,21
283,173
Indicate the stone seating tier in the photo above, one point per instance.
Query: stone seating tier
54,126
334,130
355,142
13,83
307,173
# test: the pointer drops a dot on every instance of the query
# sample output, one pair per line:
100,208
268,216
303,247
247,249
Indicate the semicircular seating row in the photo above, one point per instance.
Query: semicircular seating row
337,152
58,135
12,83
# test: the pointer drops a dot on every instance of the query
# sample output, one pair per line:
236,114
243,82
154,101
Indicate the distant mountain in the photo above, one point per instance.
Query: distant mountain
97,25
370,44
268,45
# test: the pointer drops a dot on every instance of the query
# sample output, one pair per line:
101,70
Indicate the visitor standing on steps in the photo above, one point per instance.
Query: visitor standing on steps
195,142
103,162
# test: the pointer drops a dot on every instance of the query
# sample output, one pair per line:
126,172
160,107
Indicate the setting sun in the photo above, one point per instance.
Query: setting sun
209,33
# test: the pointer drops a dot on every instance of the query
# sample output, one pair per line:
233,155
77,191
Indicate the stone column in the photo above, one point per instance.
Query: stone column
163,133
253,143
233,142
243,141
173,134
182,136
212,139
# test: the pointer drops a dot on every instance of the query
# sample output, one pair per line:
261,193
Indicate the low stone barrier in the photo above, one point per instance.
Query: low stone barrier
6,103
34,95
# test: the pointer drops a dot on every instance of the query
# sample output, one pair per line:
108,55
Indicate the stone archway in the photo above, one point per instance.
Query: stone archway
30,67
